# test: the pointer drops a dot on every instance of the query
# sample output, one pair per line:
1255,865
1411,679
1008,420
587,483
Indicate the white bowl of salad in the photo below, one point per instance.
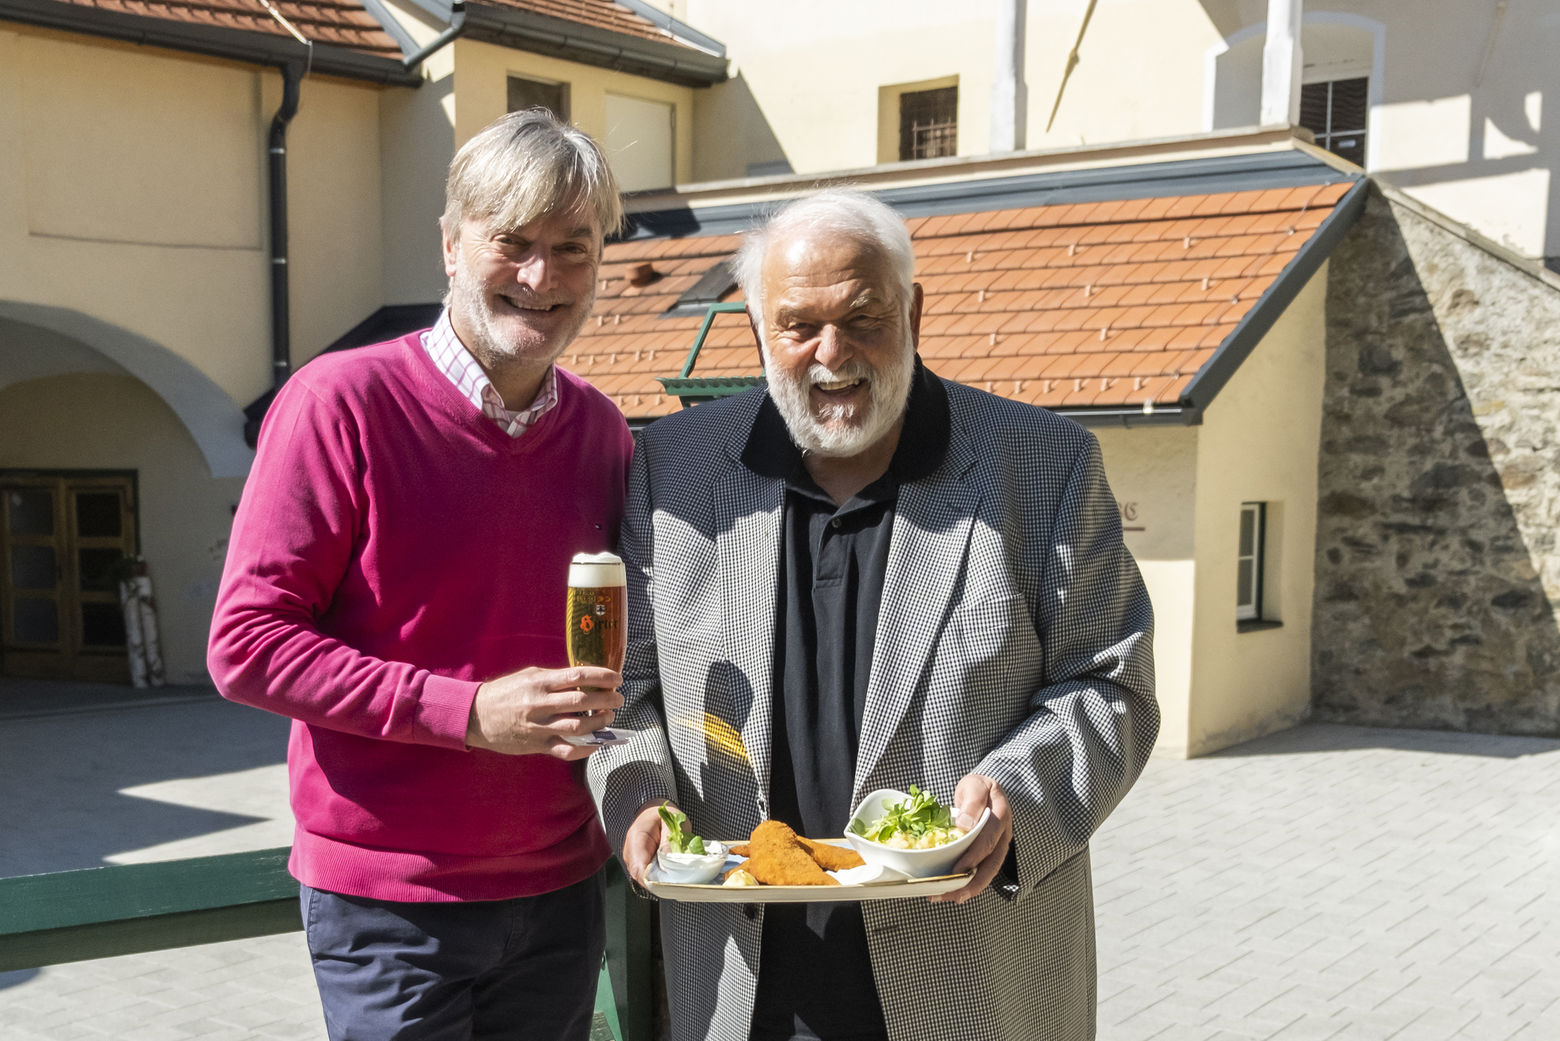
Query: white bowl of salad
910,832
685,857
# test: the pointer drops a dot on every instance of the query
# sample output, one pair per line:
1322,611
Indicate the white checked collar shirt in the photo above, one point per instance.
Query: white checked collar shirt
451,357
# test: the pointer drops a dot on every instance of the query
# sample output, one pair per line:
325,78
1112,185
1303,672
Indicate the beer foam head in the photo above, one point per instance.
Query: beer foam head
595,570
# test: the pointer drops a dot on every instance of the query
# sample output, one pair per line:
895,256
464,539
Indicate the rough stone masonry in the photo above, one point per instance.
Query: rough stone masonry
1438,569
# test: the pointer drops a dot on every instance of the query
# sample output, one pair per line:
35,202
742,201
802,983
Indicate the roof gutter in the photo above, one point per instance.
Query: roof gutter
1147,416
213,41
589,45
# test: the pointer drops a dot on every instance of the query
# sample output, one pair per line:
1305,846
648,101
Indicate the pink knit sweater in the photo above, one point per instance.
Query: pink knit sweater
392,550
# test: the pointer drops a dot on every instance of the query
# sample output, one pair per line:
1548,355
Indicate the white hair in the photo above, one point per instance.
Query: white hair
845,211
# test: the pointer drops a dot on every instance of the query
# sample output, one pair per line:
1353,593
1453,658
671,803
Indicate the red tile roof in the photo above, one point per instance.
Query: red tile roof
1108,304
345,23
341,23
603,14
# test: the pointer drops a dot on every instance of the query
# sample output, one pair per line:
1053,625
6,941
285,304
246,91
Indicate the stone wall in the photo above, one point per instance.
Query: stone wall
1438,566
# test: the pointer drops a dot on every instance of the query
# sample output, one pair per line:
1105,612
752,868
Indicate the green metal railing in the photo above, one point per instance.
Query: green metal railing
103,912
691,390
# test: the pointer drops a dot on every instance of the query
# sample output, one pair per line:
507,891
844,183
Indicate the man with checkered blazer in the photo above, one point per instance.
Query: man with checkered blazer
867,577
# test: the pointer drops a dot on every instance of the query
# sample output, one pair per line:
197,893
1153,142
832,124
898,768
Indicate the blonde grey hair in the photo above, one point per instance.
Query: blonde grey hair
844,211
524,166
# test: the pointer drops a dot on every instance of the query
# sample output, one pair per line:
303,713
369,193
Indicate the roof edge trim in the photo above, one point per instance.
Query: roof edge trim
391,25
1284,169
1162,415
212,41
1452,226
682,30
588,45
1256,323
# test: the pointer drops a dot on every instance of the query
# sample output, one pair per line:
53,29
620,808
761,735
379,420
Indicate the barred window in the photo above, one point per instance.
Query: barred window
929,123
1335,112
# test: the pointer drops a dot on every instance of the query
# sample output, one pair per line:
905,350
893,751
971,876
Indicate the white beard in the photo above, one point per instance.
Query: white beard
841,431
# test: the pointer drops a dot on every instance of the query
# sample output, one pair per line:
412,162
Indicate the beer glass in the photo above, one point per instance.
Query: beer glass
598,599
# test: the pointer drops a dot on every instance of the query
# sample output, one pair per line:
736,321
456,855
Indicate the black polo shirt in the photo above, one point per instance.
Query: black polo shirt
815,979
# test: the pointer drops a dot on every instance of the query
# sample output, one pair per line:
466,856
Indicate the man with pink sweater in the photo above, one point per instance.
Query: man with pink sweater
395,584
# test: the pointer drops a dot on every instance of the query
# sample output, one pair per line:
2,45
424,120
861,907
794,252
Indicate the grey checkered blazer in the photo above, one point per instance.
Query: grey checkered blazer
1015,640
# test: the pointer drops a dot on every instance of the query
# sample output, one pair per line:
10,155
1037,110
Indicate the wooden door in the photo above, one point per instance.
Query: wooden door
64,537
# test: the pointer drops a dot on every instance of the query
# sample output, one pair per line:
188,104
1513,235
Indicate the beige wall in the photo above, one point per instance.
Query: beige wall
482,73
1259,443
1458,107
813,99
417,131
183,519
818,92
135,194
1153,472
1458,117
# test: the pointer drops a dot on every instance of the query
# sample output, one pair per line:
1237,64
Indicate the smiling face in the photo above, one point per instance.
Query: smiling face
838,337
519,296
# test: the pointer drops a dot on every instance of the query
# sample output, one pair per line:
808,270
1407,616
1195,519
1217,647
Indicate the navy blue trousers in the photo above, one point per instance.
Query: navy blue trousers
516,969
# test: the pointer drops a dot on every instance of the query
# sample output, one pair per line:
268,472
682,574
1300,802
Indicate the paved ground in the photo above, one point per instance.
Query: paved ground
1328,882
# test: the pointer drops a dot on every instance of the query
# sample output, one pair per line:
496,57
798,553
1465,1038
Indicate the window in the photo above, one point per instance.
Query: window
1248,567
929,123
1335,112
524,93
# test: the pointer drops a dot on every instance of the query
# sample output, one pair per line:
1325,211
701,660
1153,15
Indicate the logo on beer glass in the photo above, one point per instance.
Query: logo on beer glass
597,602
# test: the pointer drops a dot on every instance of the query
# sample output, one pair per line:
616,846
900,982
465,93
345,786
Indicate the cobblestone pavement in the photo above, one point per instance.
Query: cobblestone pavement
1327,882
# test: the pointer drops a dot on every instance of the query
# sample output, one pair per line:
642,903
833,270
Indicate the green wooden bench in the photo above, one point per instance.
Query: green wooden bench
104,912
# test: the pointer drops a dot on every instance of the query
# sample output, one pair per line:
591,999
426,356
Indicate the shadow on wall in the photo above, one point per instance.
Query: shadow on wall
1437,569
756,152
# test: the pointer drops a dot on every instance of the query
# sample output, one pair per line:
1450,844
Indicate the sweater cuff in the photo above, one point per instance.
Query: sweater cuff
444,710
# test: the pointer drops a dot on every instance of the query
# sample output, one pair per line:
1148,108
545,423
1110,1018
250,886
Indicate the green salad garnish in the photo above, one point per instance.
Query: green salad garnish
679,841
915,817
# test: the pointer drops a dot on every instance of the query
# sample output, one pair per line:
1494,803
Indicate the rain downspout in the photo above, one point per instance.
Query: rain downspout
293,73
1281,60
281,317
1009,95
456,27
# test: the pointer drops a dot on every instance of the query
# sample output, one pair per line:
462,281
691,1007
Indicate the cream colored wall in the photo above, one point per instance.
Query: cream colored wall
811,74
335,235
135,193
482,73
1152,471
184,518
812,96
1459,120
417,128
1259,443
1458,117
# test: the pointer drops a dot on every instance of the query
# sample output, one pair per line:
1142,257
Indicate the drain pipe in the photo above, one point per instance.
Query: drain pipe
281,318
1009,93
1281,64
456,27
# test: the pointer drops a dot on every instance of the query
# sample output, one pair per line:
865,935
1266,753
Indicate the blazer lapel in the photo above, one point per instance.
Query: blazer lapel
927,556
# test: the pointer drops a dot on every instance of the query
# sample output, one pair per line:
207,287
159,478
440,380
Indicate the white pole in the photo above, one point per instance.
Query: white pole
1281,60
1008,94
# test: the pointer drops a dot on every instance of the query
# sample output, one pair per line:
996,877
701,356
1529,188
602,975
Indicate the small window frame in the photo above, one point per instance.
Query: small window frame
1332,133
929,123
532,92
1250,560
